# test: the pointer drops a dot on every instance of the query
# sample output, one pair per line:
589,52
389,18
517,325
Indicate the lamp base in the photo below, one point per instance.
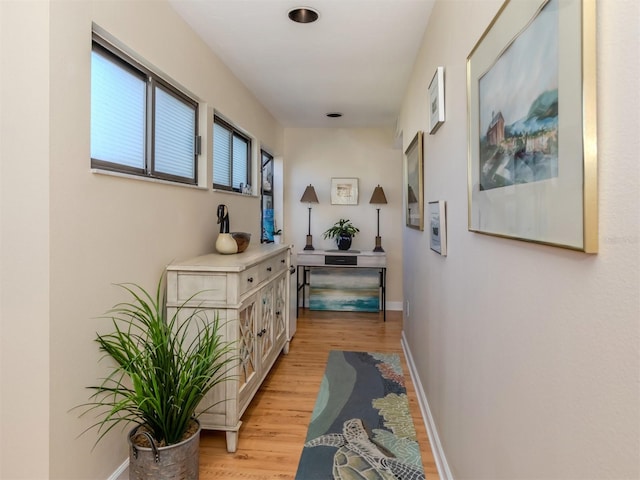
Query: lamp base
378,245
309,245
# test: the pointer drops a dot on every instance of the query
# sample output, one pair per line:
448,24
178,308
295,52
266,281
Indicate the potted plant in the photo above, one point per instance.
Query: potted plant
164,366
277,235
343,231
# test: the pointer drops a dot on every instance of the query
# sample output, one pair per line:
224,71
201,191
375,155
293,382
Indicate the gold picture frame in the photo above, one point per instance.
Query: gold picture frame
414,194
532,158
436,101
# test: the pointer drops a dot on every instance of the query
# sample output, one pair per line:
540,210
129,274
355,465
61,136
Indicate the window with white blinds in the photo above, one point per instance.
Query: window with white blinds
175,124
231,157
140,124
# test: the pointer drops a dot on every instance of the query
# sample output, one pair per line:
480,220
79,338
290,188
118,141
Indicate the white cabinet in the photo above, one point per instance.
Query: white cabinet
250,293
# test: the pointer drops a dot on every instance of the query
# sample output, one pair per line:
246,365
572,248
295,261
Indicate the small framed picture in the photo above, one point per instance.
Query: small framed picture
344,191
438,227
436,101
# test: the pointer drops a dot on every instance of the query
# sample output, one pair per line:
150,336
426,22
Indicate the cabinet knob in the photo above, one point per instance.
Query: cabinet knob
278,312
250,279
282,261
268,269
262,332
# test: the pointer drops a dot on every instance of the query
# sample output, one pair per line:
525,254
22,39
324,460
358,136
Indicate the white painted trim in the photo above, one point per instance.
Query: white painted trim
436,446
394,306
119,471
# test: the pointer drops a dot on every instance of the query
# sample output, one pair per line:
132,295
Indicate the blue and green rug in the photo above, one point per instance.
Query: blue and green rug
361,427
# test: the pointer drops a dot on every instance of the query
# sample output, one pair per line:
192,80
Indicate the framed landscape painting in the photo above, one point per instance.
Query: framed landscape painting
414,194
345,289
532,171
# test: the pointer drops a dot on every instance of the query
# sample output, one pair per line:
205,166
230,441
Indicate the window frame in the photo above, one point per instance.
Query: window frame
152,81
233,132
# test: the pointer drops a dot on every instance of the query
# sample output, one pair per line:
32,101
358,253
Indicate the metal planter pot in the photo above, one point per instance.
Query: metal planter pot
174,462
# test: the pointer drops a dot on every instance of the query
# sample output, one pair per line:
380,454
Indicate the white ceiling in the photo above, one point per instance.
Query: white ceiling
356,59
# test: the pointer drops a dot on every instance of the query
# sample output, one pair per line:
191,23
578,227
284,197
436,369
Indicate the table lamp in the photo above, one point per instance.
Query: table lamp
309,196
378,198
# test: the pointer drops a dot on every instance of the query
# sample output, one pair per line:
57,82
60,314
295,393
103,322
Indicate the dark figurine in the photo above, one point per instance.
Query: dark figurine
223,218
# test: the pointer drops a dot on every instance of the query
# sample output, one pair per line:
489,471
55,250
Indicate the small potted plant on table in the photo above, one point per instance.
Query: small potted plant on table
343,231
277,236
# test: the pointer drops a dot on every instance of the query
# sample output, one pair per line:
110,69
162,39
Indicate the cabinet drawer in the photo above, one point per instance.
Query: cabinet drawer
249,278
209,287
272,267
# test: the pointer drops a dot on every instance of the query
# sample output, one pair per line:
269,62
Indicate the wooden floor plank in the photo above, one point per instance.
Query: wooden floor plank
274,426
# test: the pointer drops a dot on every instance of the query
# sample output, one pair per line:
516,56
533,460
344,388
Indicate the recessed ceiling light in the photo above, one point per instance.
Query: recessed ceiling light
334,115
303,15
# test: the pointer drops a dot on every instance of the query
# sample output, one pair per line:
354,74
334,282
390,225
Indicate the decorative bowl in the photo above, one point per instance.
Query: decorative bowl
242,239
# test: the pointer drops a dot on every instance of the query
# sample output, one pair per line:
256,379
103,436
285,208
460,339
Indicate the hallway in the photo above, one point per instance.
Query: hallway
275,424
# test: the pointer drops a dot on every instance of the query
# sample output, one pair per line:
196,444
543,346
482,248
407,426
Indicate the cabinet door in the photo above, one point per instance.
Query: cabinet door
266,333
280,307
273,317
247,351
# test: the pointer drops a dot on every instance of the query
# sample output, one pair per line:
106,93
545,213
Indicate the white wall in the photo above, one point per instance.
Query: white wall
314,156
24,240
529,354
68,234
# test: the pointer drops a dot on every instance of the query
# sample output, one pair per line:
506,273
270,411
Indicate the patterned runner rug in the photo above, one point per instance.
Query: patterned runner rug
361,428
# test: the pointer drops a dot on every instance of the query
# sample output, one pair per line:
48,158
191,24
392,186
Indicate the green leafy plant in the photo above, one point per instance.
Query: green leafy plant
341,227
165,365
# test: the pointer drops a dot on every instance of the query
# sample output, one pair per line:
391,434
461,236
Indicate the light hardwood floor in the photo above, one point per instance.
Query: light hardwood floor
275,424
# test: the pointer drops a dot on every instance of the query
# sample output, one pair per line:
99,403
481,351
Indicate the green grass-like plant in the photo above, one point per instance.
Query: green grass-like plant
164,365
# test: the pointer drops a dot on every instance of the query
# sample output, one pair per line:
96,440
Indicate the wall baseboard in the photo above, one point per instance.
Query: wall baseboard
394,306
118,474
436,446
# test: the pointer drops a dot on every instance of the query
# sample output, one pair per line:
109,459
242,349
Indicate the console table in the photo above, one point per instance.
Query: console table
309,259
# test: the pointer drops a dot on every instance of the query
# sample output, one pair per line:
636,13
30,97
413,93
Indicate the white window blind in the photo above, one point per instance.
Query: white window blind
175,123
221,156
231,157
117,112
240,159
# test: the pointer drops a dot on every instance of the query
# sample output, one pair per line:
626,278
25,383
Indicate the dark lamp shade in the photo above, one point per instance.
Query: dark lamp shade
309,195
378,195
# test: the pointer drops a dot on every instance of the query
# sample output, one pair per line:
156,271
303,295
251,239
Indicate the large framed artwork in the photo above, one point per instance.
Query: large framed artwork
532,169
345,289
413,196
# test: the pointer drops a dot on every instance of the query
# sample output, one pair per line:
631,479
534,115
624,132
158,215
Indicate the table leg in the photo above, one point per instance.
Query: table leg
298,291
384,294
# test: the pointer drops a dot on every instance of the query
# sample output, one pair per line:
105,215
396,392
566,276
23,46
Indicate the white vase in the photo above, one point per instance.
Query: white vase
226,244
277,239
